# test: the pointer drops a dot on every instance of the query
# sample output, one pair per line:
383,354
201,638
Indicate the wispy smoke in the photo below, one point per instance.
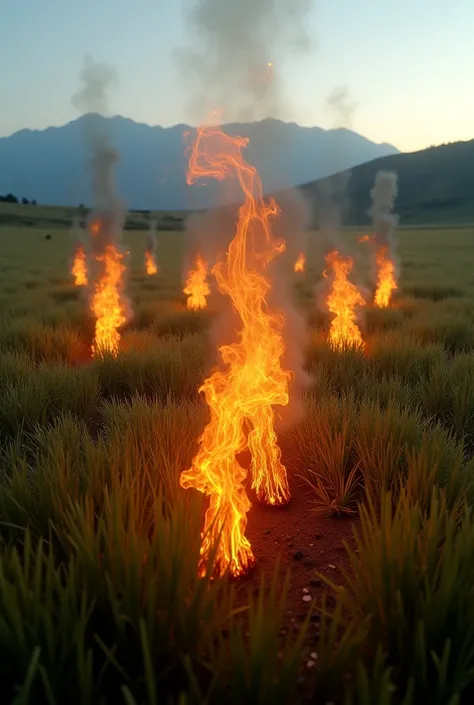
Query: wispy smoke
78,235
95,81
108,210
330,205
383,194
292,226
342,105
150,245
235,52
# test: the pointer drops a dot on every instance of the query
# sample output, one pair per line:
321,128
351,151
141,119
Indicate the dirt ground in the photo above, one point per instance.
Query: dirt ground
305,544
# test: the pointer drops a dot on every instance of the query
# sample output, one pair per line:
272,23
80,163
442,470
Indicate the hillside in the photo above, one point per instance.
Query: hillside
51,165
435,185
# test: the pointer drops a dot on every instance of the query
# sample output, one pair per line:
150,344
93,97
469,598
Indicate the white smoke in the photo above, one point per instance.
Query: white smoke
383,194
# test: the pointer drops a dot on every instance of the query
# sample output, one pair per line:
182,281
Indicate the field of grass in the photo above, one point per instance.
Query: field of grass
17,215
100,601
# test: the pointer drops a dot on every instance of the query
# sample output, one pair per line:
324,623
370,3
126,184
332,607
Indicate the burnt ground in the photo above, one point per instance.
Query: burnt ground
305,544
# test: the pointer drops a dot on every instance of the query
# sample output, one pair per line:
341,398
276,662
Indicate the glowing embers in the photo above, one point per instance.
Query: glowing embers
197,287
79,267
386,281
343,300
150,263
242,393
300,263
107,302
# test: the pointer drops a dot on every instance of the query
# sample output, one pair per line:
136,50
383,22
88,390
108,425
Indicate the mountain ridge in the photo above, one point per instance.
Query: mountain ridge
50,164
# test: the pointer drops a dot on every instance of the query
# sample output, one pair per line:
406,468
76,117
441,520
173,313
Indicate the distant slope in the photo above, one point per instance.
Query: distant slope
435,185
51,165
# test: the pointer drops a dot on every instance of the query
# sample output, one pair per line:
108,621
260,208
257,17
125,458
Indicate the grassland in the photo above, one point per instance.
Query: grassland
99,596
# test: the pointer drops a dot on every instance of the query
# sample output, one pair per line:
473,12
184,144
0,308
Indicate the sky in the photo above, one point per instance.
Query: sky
407,65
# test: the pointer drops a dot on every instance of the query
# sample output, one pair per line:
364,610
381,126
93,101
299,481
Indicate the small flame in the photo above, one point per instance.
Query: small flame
365,238
300,263
95,227
242,395
150,263
107,304
79,267
197,287
342,301
386,282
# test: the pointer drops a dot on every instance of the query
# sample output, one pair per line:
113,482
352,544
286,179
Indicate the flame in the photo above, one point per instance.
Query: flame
365,238
150,263
197,287
342,301
242,394
386,282
79,267
95,227
300,263
107,304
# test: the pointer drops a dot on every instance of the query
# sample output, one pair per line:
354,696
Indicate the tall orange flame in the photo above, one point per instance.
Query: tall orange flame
107,304
79,267
241,395
197,287
300,263
342,301
386,282
150,263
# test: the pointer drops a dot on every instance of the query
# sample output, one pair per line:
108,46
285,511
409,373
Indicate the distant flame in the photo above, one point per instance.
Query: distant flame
342,301
386,282
150,263
197,287
300,263
79,267
107,304
365,238
241,396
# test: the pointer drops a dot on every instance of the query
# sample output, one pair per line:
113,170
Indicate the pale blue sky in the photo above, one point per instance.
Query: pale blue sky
408,64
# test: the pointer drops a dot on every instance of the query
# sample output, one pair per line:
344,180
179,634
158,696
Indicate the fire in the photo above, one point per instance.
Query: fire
386,282
251,381
79,267
365,238
107,304
197,287
342,301
150,263
300,263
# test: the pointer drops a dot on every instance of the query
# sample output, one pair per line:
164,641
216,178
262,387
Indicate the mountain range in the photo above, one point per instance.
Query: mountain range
51,165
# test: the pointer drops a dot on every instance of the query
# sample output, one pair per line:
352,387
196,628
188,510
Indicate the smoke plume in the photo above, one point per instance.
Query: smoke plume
234,54
150,245
342,105
105,223
383,194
